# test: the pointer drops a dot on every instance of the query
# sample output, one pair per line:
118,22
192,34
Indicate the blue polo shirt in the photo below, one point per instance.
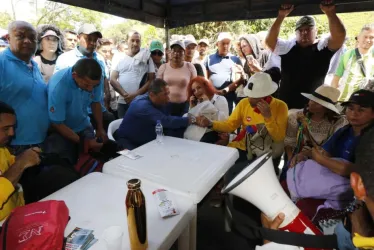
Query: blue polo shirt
67,103
220,68
138,125
23,88
68,59
342,144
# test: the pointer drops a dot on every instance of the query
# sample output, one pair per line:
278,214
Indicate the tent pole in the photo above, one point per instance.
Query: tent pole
167,36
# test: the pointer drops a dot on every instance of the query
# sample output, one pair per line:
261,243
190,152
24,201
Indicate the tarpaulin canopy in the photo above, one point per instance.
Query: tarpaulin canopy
177,13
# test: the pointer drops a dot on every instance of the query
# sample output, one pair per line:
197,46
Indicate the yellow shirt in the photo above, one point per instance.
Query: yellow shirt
9,197
363,242
244,115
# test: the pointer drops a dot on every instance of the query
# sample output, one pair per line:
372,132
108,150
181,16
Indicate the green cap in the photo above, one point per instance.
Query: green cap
156,45
305,20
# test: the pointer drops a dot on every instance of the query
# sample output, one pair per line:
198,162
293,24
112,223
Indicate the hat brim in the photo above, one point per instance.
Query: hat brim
325,104
95,32
203,43
51,35
154,49
176,44
251,94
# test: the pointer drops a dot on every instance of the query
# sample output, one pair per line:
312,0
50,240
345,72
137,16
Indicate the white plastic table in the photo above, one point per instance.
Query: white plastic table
97,201
190,167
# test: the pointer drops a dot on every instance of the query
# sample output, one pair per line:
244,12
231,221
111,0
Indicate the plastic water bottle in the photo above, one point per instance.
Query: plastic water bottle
159,132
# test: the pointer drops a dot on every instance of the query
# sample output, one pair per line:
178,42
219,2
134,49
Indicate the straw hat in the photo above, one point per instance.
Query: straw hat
325,95
260,85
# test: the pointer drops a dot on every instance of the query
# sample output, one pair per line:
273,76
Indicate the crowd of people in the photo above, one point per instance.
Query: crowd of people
60,90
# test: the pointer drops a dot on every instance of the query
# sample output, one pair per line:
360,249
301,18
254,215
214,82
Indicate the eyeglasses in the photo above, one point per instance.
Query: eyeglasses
157,53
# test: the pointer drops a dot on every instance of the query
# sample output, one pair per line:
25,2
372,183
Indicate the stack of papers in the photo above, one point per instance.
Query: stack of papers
80,239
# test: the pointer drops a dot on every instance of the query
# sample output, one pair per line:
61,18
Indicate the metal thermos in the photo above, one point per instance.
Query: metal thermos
136,216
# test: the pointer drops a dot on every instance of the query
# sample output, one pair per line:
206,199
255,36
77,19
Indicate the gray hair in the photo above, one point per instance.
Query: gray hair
369,26
15,24
157,86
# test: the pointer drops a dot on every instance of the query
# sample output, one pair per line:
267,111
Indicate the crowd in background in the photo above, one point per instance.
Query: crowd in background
61,90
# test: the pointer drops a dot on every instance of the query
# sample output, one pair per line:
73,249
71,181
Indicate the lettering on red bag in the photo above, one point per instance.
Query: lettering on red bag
29,233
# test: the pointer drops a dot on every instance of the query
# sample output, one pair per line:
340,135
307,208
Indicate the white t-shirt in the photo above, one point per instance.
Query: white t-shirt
276,246
131,72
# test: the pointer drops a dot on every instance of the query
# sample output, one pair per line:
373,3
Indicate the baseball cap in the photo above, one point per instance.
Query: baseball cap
179,43
362,97
223,36
190,40
89,29
206,41
305,20
156,45
50,33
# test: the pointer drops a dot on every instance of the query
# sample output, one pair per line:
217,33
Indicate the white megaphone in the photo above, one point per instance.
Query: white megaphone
259,185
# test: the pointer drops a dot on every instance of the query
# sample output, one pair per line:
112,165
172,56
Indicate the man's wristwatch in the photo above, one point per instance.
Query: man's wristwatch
193,120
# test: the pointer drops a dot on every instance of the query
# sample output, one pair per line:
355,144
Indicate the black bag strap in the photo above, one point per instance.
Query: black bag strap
248,229
5,228
360,62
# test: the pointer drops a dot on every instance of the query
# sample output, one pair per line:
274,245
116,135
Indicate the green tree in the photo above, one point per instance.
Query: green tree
68,17
5,19
147,31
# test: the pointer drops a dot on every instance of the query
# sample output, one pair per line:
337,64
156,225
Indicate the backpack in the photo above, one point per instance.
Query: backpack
89,162
36,226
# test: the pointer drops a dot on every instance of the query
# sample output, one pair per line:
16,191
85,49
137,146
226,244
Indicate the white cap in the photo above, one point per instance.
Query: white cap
179,43
260,85
223,36
204,40
189,41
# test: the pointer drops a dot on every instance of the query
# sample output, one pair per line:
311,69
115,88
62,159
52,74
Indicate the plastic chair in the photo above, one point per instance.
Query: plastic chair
113,126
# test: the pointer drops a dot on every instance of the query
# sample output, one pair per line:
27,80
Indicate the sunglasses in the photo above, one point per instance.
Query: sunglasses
157,53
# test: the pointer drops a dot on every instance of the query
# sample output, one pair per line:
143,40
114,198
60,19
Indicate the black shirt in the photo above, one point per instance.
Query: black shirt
303,70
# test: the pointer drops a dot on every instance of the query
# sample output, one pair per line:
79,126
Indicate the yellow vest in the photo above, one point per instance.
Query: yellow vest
10,197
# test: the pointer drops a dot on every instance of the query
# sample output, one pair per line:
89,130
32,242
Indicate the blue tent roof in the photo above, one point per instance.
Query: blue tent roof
177,13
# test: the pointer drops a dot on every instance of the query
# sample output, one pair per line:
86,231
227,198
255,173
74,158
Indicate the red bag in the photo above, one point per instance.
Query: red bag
36,226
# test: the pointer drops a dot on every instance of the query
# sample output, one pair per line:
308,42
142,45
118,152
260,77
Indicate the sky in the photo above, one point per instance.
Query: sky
26,10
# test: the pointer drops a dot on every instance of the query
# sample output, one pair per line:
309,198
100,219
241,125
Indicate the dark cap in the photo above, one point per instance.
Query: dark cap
362,97
89,29
305,20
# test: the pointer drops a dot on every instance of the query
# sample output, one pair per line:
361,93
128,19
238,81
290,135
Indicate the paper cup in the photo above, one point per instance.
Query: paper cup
113,237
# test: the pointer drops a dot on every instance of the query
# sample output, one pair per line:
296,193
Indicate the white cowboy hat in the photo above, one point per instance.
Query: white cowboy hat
260,85
325,95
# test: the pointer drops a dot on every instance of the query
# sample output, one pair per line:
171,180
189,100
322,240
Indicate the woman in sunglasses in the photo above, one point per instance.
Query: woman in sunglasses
157,53
49,48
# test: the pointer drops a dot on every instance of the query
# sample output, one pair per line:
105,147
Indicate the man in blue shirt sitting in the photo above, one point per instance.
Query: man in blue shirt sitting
138,124
70,92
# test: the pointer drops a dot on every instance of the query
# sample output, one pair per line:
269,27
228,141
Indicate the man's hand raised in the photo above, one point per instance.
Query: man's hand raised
285,10
328,7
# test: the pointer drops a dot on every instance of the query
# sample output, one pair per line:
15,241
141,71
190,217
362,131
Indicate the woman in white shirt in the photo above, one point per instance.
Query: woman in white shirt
199,90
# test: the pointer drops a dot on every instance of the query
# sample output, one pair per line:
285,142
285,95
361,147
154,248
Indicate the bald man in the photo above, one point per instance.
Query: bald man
22,87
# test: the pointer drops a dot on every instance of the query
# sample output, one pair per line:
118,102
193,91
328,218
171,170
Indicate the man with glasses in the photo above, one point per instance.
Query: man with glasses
133,73
305,60
88,36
